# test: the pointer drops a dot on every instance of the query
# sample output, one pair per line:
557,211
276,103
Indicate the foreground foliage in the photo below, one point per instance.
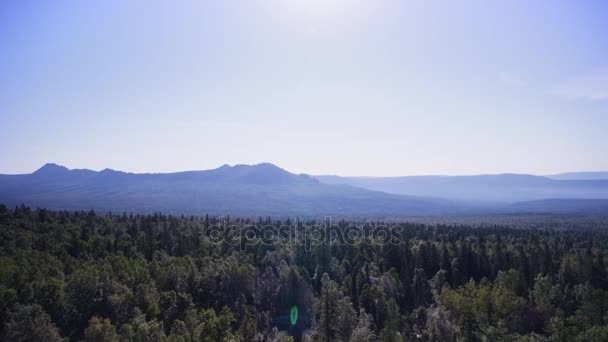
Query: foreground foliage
82,276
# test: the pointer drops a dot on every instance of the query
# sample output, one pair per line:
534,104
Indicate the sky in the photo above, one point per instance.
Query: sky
376,88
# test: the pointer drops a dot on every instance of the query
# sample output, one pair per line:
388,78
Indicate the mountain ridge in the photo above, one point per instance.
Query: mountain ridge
240,189
267,189
507,187
582,175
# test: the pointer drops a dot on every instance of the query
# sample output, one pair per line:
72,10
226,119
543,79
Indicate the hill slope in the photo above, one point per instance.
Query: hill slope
506,188
262,189
589,175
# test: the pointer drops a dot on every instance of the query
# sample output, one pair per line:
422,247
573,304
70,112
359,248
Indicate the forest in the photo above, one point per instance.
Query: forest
86,276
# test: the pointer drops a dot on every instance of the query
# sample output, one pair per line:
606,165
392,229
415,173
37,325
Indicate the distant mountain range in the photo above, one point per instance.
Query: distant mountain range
580,175
262,189
506,188
266,189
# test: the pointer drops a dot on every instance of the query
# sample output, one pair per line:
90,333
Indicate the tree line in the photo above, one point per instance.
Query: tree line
81,276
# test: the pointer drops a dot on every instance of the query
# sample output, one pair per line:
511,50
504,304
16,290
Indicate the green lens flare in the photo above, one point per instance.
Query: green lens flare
293,315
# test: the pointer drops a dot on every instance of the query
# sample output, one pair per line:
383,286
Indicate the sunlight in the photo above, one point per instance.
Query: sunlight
323,9
319,15
319,8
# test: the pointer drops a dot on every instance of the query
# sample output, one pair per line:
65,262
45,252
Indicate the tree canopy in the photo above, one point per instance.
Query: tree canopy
126,277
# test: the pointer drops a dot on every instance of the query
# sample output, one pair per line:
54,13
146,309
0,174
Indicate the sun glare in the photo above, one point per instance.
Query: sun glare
321,8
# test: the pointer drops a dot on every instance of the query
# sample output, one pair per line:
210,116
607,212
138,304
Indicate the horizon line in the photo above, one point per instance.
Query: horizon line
310,174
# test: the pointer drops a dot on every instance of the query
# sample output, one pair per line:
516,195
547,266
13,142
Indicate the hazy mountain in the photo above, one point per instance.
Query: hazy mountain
593,206
505,188
590,175
262,189
265,189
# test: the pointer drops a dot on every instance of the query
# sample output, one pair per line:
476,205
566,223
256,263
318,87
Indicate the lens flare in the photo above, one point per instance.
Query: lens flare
293,315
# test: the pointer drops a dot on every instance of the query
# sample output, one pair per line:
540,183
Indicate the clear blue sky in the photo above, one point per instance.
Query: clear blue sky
320,86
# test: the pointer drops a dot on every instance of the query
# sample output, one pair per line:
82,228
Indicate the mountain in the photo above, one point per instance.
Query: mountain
572,206
266,189
262,189
502,188
590,175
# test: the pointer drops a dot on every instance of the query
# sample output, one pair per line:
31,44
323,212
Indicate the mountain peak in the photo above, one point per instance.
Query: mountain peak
263,173
108,170
267,166
51,169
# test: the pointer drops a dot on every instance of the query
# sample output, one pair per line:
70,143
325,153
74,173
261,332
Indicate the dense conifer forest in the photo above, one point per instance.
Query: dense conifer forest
126,277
